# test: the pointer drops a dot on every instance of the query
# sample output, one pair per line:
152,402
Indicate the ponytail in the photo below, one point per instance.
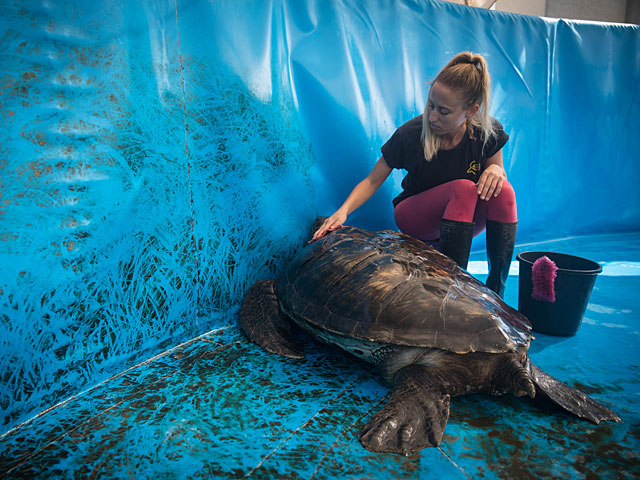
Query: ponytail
468,75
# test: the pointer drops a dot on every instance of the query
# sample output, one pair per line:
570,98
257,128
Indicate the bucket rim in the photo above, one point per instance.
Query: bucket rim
594,271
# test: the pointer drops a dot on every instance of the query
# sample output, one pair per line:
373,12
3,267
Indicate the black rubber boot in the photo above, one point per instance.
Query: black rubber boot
501,237
455,240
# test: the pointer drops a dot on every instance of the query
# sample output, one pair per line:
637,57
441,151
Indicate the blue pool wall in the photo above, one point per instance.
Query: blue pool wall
159,157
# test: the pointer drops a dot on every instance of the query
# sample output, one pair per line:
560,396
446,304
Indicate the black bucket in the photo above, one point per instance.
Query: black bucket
573,285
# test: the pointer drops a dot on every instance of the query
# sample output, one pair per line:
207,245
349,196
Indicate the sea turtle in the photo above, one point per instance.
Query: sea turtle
432,329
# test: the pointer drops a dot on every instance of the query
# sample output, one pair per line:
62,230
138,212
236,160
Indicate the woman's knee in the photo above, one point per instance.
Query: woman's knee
464,188
508,192
462,200
507,197
503,208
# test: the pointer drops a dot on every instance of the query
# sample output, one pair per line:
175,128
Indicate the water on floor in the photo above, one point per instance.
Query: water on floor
220,407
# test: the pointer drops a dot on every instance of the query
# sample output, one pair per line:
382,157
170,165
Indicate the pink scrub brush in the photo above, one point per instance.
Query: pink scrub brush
543,276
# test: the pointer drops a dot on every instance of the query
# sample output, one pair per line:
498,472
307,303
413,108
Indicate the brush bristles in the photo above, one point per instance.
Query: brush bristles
543,275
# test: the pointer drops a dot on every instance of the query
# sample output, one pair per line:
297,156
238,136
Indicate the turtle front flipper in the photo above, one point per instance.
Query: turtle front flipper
413,418
570,399
265,324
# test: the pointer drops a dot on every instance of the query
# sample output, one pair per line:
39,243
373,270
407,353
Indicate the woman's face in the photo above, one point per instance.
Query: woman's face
447,114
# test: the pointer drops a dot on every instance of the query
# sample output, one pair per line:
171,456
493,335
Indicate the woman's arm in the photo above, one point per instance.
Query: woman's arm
359,195
490,181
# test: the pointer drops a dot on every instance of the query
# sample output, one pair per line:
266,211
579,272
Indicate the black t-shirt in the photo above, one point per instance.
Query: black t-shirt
466,160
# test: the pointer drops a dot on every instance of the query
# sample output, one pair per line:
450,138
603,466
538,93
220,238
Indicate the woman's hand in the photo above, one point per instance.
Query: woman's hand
334,222
360,194
490,182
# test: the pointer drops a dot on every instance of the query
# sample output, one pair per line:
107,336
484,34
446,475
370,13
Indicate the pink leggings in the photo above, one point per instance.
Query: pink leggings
420,215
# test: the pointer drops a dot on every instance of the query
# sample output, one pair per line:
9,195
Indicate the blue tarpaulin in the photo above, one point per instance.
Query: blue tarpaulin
159,157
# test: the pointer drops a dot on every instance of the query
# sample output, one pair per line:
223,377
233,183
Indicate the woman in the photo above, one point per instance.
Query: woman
455,185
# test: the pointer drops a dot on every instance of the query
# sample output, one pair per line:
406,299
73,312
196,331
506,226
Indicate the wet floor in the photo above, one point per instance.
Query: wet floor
220,407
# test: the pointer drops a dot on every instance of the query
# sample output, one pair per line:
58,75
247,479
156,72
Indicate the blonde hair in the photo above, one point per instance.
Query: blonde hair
467,74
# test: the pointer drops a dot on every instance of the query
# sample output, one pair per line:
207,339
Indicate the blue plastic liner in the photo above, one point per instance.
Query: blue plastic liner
157,158
219,406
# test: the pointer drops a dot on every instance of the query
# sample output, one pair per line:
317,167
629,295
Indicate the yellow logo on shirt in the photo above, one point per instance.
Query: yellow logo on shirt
474,168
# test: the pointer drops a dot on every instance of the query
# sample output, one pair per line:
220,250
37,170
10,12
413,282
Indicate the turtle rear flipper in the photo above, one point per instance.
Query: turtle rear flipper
570,399
413,418
264,323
